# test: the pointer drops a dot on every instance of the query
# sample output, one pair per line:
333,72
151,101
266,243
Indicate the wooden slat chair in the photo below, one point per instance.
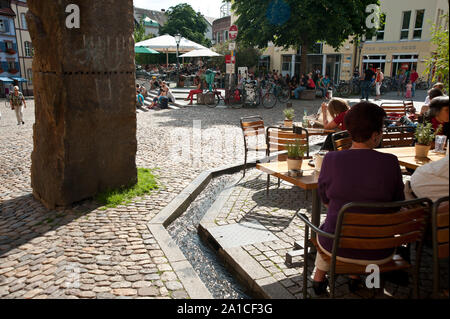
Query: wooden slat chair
253,126
409,106
397,136
362,230
341,141
398,108
440,233
276,143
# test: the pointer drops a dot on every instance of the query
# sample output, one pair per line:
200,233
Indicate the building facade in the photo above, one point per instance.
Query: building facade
25,47
152,19
405,40
9,59
221,28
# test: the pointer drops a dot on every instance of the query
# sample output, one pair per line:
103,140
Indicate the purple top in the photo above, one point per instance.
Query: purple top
357,175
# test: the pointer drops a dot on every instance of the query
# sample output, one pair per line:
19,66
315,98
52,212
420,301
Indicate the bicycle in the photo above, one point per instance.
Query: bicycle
266,95
235,99
421,84
282,92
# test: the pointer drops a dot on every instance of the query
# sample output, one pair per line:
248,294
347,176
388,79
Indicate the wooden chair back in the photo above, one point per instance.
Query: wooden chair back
365,226
252,126
397,136
398,108
441,227
341,141
278,138
409,106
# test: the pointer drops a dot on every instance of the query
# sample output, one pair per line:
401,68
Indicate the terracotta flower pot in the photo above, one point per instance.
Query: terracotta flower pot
422,150
288,123
294,164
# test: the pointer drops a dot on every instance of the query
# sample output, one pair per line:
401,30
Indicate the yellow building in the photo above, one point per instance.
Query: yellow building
24,45
404,42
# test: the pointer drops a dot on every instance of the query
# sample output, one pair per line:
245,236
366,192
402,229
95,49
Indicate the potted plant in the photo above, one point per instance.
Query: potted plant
288,117
424,136
296,151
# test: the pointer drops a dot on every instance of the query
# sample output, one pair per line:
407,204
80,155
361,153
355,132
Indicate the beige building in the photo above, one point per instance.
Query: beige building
403,42
24,45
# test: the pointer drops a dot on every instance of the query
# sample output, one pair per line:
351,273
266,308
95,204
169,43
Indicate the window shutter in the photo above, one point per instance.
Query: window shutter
15,47
5,66
6,22
17,66
2,46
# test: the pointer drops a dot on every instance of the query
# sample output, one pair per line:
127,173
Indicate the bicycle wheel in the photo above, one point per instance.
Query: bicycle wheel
344,90
269,100
284,95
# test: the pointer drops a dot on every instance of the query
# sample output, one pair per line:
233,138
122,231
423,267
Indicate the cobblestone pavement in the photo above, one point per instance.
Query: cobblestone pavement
89,252
277,212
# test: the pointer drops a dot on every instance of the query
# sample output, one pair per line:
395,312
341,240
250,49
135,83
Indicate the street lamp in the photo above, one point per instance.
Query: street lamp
177,40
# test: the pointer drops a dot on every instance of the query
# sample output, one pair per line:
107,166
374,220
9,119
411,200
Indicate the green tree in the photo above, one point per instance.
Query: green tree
437,65
184,20
245,55
294,23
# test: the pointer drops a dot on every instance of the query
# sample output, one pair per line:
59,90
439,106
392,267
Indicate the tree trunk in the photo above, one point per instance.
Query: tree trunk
304,58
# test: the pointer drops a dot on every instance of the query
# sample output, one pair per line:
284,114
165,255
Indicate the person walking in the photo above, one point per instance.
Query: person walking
17,102
368,75
413,78
378,81
401,83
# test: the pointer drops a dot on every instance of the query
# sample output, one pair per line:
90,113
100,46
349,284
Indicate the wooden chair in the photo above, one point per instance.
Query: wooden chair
341,140
357,228
440,229
409,106
252,126
398,108
276,143
398,136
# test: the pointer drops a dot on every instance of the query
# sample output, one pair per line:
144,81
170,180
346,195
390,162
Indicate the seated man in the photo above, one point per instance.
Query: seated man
139,100
301,86
321,86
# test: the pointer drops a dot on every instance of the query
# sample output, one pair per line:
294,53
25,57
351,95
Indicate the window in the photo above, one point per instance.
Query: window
404,35
11,65
380,31
9,45
377,61
2,26
419,23
317,49
286,63
24,21
28,49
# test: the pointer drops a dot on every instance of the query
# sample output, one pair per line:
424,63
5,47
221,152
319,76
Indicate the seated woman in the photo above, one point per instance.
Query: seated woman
434,92
196,91
310,84
439,115
355,175
321,86
338,108
162,94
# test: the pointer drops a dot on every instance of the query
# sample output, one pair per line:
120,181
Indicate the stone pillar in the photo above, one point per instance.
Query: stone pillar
84,87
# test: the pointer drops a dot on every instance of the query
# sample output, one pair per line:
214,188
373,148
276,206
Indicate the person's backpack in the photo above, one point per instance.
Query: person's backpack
164,102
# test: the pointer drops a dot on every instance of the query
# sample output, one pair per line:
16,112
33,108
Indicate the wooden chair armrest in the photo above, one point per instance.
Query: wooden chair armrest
314,228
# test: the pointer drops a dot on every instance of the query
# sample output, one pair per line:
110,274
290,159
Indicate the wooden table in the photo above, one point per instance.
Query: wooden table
309,181
406,156
315,131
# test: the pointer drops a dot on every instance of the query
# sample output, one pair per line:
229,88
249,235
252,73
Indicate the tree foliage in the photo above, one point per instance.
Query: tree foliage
245,55
184,20
294,23
439,62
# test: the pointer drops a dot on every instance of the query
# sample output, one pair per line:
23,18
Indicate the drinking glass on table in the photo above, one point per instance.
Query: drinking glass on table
440,143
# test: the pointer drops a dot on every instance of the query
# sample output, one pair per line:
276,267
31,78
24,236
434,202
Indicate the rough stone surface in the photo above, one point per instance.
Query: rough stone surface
84,90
